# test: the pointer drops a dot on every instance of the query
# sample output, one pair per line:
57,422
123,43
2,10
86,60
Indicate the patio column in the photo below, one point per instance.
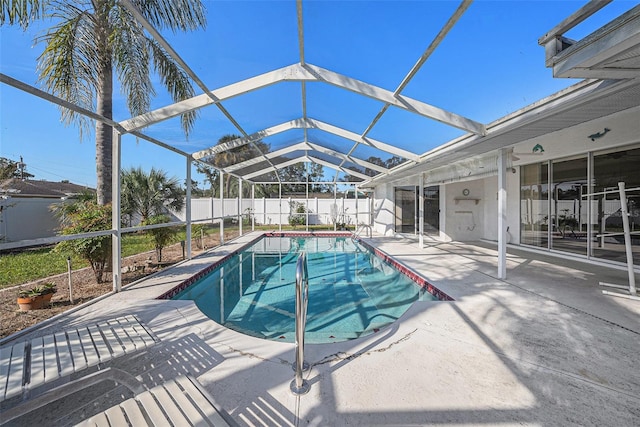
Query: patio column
221,207
355,192
280,205
188,209
240,206
116,238
335,203
421,212
502,214
253,207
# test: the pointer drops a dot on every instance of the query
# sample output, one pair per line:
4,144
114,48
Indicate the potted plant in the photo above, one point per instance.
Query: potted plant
36,297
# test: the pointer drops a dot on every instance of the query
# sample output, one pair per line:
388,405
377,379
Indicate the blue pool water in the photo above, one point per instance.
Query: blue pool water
352,292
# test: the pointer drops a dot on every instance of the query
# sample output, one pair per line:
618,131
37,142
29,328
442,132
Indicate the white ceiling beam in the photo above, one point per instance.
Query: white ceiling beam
427,53
270,155
404,102
307,124
293,72
321,149
316,124
254,137
276,167
304,158
308,72
312,147
176,57
339,168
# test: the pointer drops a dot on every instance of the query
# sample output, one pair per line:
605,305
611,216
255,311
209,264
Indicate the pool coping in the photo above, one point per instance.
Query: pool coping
415,277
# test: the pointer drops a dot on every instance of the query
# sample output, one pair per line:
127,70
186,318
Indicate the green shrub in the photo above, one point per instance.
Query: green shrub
161,236
300,217
82,217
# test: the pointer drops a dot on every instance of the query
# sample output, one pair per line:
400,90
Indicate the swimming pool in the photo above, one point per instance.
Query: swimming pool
352,291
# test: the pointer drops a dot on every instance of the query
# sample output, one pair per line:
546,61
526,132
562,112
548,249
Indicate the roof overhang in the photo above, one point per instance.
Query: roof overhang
580,103
612,52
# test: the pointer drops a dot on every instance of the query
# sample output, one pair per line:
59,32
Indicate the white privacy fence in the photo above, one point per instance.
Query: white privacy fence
278,211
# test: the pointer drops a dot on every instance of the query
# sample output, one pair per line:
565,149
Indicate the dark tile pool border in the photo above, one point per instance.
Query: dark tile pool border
421,281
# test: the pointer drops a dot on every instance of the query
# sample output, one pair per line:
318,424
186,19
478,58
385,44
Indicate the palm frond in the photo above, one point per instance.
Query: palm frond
22,12
173,14
132,61
68,65
175,80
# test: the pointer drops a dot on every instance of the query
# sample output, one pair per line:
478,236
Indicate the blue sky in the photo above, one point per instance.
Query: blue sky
489,65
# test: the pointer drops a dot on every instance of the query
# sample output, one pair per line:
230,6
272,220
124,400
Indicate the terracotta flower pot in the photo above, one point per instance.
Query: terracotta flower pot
34,303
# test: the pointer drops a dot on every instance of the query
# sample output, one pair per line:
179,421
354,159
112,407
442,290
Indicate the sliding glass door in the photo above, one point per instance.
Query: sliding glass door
406,209
431,210
557,213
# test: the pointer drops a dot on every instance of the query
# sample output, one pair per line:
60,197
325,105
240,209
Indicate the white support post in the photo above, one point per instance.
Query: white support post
240,206
188,209
306,200
253,207
421,212
502,214
221,207
335,203
280,205
116,238
627,238
355,193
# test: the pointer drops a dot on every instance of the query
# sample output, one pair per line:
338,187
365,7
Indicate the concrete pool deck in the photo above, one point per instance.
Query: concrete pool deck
543,347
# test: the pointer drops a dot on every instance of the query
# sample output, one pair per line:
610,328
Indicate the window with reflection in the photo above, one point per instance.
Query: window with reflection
609,169
534,204
569,210
561,215
406,209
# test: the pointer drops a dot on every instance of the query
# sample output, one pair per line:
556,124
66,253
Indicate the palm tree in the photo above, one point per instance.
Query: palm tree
233,156
92,38
148,195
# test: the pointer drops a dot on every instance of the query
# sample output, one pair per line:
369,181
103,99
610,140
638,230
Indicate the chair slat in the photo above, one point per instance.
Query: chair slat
169,406
64,354
51,371
5,361
122,335
116,416
135,415
152,409
101,346
36,376
89,349
142,331
16,371
128,326
116,348
79,361
100,420
203,401
183,402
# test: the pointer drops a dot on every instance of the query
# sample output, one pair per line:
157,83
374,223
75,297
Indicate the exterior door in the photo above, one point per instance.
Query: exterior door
432,210
406,209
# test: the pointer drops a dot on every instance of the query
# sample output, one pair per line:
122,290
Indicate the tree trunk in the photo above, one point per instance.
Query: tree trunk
104,107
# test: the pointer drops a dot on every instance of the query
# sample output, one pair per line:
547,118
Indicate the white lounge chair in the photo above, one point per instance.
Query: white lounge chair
27,365
180,401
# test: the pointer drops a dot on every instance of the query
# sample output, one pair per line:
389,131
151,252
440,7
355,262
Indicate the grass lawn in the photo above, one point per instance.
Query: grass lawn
33,264
17,268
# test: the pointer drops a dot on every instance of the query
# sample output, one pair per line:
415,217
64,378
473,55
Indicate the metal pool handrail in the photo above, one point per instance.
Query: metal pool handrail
300,385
